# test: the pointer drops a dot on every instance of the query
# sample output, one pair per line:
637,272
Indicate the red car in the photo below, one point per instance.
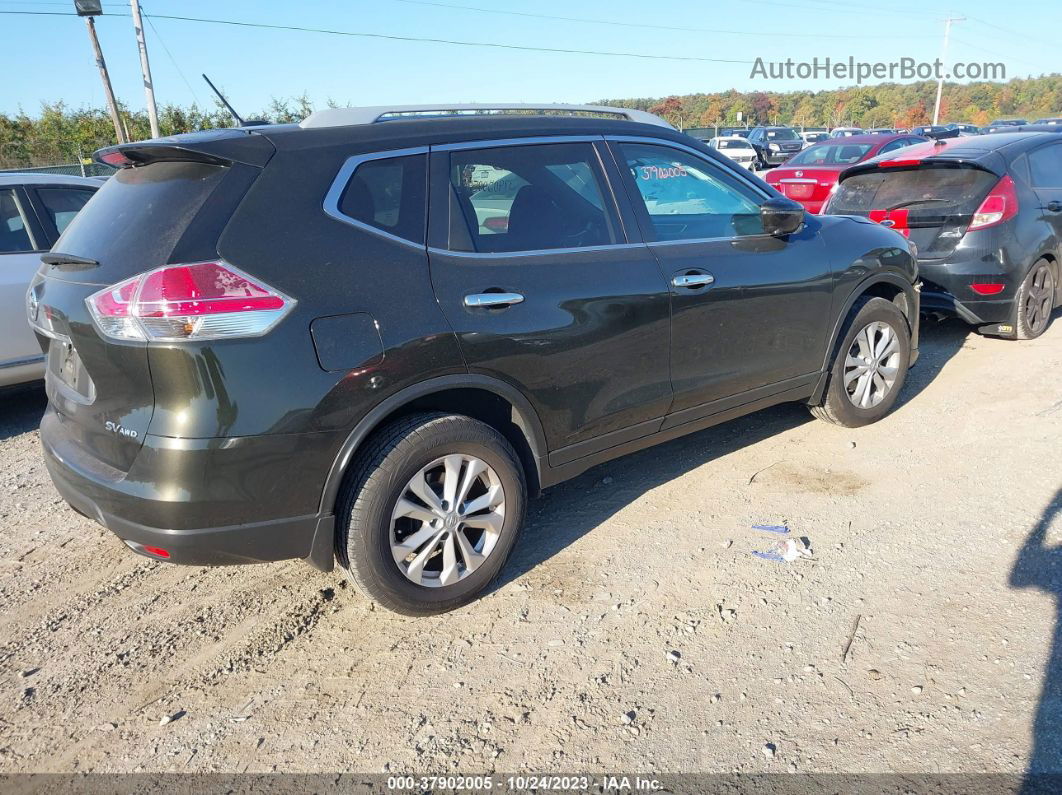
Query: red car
810,176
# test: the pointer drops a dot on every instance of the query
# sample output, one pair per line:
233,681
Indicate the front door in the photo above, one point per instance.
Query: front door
748,310
533,270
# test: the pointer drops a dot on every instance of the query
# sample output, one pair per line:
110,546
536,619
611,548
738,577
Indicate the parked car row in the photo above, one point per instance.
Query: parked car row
476,307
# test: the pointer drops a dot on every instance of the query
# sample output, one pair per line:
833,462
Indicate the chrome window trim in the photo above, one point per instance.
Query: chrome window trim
522,141
530,252
342,179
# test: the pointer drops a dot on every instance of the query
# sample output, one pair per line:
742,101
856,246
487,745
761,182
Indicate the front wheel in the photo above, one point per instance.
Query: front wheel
1035,300
870,366
430,512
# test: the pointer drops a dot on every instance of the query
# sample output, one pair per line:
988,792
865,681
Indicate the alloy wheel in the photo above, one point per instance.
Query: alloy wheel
872,365
447,521
1039,299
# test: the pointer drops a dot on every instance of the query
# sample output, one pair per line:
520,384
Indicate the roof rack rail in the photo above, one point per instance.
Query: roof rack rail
341,117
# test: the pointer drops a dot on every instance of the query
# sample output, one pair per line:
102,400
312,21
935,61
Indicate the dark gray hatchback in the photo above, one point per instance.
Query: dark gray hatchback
370,336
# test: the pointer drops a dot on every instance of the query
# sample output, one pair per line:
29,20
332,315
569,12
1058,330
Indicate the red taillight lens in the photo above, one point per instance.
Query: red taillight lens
999,205
988,288
158,552
203,300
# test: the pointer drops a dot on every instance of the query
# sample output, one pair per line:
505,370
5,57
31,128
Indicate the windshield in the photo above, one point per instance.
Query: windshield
782,135
831,155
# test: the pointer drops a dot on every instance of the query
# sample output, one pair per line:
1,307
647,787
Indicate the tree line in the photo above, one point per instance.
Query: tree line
903,105
59,133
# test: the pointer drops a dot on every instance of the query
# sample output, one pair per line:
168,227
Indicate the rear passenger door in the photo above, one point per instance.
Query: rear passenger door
1045,176
534,271
749,311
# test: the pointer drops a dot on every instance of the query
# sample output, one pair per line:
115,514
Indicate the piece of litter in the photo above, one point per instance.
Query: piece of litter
768,750
786,551
673,657
781,529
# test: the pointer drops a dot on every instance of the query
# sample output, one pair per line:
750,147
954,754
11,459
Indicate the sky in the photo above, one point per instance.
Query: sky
253,65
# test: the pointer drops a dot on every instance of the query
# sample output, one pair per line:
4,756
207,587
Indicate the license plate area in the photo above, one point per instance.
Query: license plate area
798,190
66,368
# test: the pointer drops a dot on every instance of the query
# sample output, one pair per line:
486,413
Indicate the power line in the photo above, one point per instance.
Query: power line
452,42
641,25
173,60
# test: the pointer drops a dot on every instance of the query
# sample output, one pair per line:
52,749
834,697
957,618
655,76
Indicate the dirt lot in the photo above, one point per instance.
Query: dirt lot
938,531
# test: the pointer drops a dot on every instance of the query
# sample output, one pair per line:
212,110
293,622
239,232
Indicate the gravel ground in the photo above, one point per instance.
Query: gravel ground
632,630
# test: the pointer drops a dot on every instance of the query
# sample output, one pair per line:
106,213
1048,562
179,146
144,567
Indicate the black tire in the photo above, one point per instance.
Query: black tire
377,479
1035,301
838,406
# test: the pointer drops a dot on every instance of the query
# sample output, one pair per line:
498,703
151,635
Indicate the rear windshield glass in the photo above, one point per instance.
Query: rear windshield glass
927,191
782,135
831,155
735,145
136,219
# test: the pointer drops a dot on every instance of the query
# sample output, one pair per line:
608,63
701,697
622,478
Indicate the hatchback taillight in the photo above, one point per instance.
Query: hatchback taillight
999,205
202,300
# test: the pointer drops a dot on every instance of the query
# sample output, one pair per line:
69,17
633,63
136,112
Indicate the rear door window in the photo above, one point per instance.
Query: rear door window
389,194
63,204
14,231
1045,167
530,198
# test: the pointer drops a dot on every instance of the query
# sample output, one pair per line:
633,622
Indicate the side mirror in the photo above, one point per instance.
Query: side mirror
781,216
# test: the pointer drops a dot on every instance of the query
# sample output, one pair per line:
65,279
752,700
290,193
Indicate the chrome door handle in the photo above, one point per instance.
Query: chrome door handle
492,299
693,280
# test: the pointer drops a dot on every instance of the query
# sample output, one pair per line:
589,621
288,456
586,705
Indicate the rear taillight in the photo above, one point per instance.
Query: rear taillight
988,288
999,205
203,300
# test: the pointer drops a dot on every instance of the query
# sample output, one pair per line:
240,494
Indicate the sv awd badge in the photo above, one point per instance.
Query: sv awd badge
114,427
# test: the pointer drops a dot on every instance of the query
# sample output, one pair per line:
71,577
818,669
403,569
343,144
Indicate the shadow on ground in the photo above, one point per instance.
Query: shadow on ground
21,409
1039,565
634,475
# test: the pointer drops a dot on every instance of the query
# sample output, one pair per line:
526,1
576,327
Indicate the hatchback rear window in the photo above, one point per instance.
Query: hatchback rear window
929,192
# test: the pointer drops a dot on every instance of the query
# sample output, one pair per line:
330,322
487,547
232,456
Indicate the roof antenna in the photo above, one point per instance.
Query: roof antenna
225,102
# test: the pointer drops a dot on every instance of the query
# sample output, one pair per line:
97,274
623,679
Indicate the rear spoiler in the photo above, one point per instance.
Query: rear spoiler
932,153
213,147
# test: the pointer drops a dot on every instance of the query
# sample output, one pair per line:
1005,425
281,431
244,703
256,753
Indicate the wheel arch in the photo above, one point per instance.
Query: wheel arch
489,400
890,286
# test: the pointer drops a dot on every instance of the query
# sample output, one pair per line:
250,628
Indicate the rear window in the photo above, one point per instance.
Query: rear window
137,217
831,155
735,145
928,192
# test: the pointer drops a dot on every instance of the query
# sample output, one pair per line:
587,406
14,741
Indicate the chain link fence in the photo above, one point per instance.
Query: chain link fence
68,158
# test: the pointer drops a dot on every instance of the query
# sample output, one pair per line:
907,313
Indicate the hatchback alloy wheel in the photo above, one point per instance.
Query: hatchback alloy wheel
1039,300
447,520
872,365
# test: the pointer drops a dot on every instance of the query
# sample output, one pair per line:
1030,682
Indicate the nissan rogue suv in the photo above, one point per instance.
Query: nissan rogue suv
372,335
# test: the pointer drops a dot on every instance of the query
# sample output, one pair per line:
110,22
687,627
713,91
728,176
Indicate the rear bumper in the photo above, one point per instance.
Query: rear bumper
206,502
946,288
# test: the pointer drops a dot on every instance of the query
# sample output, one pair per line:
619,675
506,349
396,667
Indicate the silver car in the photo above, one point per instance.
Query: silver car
34,210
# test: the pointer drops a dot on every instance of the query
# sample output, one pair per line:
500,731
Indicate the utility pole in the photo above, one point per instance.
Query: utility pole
112,105
944,63
145,67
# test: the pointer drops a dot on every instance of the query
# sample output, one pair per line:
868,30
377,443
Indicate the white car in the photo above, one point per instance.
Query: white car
34,211
737,149
814,137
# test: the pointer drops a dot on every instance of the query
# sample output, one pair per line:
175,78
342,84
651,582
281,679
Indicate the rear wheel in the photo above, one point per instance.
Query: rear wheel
1035,300
430,513
870,367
